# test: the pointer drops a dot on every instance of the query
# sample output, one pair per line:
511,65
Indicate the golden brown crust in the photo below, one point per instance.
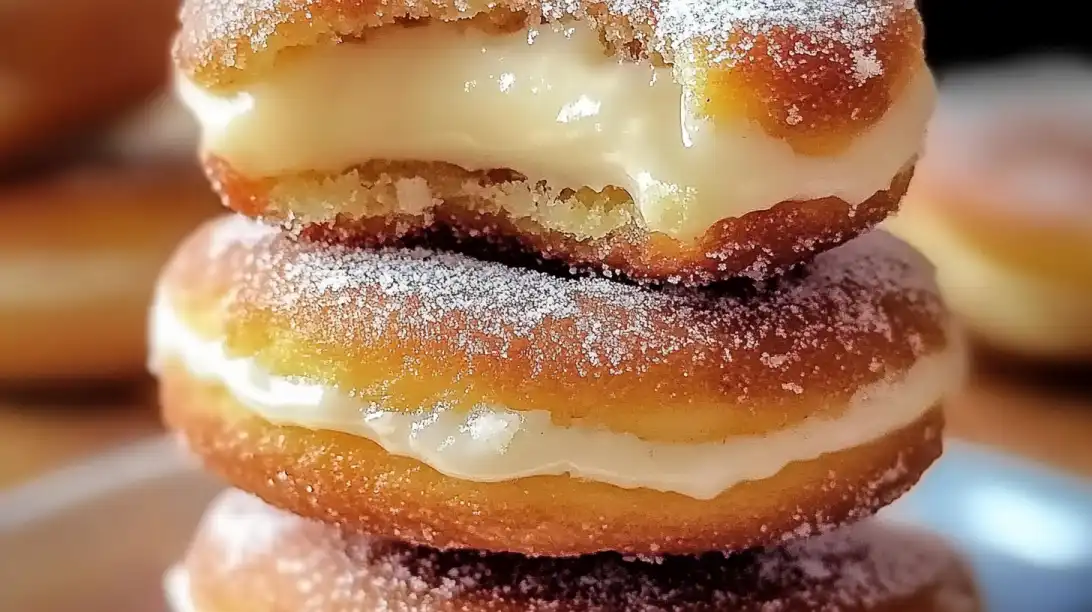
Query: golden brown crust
88,324
415,329
759,245
353,482
817,106
248,556
68,65
813,73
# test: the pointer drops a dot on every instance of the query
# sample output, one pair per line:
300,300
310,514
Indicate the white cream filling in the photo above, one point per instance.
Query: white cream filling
492,443
176,587
548,104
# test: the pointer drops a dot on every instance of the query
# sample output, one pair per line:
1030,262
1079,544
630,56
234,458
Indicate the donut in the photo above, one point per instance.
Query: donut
67,66
79,255
666,141
458,402
249,556
1003,205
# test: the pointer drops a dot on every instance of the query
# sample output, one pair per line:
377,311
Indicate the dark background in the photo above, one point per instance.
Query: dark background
972,31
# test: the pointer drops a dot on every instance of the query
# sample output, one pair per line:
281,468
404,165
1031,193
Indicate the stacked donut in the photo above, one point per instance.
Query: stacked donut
554,305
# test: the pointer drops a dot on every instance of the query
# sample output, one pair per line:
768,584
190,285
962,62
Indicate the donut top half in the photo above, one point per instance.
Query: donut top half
412,329
834,93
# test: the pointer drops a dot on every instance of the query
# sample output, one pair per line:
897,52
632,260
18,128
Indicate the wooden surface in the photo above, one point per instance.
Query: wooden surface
1048,420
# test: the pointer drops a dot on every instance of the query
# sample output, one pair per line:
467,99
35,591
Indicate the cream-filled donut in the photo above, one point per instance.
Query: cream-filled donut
247,556
459,402
667,141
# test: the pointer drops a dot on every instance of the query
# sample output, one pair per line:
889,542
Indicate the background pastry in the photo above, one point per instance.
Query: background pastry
69,66
1002,202
79,254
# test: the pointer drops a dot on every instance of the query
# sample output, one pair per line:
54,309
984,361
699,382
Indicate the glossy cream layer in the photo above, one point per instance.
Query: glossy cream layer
492,443
547,103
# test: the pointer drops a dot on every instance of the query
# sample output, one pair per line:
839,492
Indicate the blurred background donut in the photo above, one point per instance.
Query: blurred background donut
98,182
79,253
1002,203
68,65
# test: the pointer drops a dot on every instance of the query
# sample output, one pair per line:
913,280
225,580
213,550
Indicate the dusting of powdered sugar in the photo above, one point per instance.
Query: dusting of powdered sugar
729,28
231,34
244,529
874,291
319,567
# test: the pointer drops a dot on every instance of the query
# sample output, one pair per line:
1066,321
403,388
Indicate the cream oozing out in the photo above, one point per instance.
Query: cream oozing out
492,443
176,587
547,103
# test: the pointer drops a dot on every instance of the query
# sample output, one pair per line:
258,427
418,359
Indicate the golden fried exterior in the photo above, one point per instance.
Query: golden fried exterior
815,76
412,330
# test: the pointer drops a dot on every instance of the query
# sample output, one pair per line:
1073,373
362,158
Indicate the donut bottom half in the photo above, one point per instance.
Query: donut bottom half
352,481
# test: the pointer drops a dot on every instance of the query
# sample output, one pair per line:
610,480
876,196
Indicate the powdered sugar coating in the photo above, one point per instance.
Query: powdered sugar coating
678,24
864,567
858,314
223,37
